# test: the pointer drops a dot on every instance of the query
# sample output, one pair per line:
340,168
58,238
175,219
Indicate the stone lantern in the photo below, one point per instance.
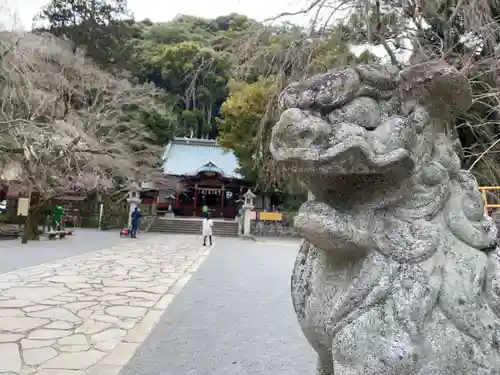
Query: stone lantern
248,206
133,201
249,197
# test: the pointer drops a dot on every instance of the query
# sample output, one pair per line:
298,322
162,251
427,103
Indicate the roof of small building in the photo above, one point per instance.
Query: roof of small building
190,156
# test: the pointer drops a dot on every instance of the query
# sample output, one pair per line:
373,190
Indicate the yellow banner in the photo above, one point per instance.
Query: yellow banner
270,216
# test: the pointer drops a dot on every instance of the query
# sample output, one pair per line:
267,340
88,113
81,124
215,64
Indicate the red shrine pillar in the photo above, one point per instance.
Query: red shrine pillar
177,199
195,200
222,195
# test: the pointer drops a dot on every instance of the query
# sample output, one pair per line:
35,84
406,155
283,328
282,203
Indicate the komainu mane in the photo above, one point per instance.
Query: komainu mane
399,273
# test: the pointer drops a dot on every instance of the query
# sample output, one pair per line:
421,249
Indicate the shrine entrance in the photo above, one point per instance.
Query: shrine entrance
220,195
199,172
210,197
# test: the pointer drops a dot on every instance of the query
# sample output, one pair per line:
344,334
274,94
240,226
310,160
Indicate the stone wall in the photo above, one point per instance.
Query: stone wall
496,218
274,228
146,222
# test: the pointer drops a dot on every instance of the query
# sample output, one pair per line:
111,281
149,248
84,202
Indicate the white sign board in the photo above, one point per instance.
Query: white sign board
23,206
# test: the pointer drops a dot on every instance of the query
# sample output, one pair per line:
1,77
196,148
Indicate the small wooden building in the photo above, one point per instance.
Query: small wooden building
206,175
74,203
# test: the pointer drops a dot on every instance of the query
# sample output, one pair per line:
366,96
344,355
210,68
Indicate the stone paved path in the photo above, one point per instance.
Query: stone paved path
86,315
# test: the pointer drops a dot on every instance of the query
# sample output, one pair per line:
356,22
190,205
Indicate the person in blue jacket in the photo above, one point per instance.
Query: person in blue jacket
136,216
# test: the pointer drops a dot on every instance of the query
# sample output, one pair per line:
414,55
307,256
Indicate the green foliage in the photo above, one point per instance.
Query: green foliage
96,26
194,79
334,51
243,114
292,202
199,30
197,78
250,111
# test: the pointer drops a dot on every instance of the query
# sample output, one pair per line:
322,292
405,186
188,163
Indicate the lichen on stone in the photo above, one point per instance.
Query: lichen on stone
399,272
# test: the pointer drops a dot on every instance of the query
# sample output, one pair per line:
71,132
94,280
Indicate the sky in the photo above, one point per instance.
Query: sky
19,14
165,10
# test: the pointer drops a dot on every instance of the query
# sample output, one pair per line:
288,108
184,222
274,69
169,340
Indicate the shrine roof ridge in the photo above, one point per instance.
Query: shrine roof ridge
190,156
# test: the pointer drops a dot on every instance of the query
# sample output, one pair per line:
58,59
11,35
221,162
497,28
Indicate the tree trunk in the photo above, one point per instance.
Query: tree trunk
31,232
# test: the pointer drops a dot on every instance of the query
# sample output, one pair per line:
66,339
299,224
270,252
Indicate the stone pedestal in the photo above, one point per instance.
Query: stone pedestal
310,196
247,218
248,207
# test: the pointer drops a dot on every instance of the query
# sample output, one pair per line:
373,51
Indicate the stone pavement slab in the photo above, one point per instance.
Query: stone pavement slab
89,313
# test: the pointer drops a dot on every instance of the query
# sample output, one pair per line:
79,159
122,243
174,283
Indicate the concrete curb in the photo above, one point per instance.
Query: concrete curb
248,238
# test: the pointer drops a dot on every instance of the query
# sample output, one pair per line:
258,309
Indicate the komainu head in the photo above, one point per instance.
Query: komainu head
368,126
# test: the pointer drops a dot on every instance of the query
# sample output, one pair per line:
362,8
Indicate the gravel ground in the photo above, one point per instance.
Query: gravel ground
233,317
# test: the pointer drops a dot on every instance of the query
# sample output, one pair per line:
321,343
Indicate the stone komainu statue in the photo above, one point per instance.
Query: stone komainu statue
399,273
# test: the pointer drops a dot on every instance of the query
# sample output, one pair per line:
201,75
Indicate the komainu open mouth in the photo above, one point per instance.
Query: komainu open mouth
350,127
357,138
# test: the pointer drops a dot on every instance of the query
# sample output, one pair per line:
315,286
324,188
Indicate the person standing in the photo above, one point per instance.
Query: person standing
136,216
207,230
57,217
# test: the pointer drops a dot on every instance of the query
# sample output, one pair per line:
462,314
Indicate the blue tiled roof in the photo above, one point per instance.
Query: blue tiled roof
188,157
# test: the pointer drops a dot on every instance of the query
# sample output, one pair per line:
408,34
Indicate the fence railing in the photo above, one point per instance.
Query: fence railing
487,205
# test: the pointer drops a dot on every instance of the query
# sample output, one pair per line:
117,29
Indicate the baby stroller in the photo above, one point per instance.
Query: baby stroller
125,232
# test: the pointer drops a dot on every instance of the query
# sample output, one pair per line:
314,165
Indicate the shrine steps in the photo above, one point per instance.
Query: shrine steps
221,228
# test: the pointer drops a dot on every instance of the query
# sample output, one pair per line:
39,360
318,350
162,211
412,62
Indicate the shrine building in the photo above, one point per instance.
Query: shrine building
205,174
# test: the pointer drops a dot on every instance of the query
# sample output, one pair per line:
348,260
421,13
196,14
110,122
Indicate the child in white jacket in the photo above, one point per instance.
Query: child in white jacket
207,230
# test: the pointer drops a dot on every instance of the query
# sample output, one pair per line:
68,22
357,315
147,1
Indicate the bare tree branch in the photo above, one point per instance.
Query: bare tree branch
63,122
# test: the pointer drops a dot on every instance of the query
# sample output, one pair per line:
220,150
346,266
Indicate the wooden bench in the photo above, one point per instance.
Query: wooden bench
58,234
